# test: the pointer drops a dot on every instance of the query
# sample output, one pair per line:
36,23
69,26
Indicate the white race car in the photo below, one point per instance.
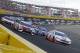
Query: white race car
8,19
11,19
58,36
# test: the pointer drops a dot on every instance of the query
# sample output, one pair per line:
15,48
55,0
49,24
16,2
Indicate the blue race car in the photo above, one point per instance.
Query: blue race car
41,31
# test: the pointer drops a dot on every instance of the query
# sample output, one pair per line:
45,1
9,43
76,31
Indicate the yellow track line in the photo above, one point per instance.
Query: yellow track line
25,42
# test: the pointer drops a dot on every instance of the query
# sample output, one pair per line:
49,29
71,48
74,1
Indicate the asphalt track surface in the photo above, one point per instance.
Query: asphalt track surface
50,47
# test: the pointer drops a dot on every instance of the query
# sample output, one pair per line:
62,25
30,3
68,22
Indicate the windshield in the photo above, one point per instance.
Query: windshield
20,18
60,34
26,24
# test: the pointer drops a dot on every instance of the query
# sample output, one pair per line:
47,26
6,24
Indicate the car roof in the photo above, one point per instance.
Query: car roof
57,31
27,22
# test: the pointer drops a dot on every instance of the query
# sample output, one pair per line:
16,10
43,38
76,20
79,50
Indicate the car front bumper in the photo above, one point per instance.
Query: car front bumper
66,42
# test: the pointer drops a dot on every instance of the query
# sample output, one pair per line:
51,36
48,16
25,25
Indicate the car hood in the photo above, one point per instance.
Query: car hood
68,39
63,38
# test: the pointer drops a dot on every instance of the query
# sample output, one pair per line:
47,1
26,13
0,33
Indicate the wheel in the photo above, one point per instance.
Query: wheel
20,28
54,40
12,24
46,37
32,33
43,34
16,27
50,38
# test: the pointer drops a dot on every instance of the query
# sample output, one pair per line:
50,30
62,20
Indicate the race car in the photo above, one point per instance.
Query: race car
58,36
25,26
10,19
22,25
41,30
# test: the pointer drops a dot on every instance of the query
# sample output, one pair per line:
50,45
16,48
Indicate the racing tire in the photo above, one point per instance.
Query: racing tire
46,37
15,27
20,30
32,33
54,40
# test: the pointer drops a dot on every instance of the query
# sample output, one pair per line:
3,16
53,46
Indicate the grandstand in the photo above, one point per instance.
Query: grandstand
37,11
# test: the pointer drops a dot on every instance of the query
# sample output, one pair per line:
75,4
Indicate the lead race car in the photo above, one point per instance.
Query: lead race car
58,36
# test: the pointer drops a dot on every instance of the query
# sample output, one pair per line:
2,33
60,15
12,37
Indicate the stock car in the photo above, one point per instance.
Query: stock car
58,36
10,19
25,26
41,30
